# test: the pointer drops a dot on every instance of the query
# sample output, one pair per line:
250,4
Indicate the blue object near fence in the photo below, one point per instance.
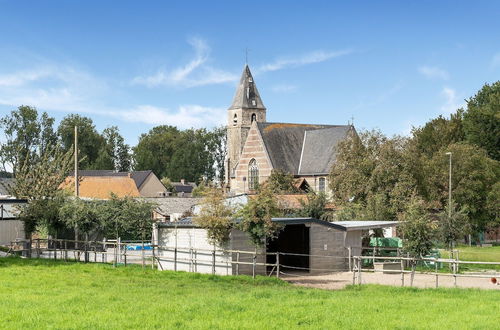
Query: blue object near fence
139,247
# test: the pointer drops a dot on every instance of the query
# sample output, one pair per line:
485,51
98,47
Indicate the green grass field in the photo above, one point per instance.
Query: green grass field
474,253
53,294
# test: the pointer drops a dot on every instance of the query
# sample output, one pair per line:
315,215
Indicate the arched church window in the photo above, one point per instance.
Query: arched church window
322,184
253,175
254,117
235,119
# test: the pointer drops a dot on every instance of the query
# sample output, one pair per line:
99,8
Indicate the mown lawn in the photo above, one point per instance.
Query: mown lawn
474,253
52,294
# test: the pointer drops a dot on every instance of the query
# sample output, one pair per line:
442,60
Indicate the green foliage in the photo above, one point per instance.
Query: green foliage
126,217
438,133
201,188
454,227
192,154
26,135
167,183
90,142
256,216
313,206
482,119
473,177
281,182
375,173
417,228
215,216
81,214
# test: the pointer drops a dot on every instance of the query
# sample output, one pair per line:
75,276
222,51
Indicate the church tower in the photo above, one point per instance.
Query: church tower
246,108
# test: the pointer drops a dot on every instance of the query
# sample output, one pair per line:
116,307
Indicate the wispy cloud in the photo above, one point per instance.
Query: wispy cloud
284,88
309,58
452,102
381,98
186,116
195,73
67,89
434,72
495,61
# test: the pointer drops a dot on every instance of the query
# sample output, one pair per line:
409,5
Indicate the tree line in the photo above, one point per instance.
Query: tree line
191,154
378,177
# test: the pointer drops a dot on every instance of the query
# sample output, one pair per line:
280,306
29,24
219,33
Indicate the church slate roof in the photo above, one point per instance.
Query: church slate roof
247,96
286,144
319,149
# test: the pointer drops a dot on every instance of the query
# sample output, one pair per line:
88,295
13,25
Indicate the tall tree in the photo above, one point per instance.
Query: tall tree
90,142
26,135
482,119
117,150
155,149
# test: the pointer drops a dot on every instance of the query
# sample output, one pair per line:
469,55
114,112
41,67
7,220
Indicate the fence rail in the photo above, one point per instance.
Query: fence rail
117,253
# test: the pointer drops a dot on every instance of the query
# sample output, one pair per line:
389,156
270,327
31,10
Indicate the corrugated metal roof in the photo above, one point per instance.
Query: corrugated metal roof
368,224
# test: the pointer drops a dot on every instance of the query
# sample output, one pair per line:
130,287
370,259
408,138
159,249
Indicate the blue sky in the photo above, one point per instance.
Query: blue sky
137,64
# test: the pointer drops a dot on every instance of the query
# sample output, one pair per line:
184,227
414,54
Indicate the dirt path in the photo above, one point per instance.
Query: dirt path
337,281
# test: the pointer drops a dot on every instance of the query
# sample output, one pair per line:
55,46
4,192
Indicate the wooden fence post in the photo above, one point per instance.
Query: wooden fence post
454,273
436,270
353,273
237,263
143,255
125,257
153,260
277,264
402,272
412,272
175,259
213,262
360,263
65,250
349,250
38,248
253,264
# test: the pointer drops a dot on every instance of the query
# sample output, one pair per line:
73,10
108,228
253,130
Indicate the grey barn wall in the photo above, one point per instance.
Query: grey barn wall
240,241
326,241
10,230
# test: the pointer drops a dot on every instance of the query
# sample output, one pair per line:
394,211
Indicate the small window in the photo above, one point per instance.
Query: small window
322,183
235,119
254,103
253,175
254,117
250,79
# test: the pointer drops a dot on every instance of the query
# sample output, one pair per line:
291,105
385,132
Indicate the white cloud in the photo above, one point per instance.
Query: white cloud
186,116
495,61
195,73
67,89
309,58
433,72
284,88
452,102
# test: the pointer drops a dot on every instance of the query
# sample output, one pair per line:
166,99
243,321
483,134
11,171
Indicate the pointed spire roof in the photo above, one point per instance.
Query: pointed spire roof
247,96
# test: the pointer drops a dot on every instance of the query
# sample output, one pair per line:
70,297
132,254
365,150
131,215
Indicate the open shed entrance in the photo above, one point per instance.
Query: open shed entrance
293,239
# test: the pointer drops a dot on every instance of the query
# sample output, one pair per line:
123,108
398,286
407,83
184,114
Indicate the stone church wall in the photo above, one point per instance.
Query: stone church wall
253,149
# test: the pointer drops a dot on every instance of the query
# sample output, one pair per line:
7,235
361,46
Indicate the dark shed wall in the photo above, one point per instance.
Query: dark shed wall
326,241
241,242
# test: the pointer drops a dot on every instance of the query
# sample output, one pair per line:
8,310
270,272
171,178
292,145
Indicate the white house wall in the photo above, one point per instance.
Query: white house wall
194,252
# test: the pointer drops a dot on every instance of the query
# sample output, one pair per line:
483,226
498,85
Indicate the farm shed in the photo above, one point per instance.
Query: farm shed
10,227
304,244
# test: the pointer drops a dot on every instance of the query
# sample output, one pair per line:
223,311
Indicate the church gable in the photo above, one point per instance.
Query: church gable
253,157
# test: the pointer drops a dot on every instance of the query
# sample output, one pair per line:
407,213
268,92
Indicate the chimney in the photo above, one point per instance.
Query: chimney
182,182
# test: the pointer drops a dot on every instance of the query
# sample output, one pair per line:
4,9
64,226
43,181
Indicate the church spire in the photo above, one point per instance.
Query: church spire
247,96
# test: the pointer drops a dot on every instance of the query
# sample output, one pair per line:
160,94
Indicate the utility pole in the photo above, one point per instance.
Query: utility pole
77,188
449,189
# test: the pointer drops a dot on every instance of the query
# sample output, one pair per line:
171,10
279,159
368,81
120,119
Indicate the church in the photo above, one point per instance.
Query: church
255,147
